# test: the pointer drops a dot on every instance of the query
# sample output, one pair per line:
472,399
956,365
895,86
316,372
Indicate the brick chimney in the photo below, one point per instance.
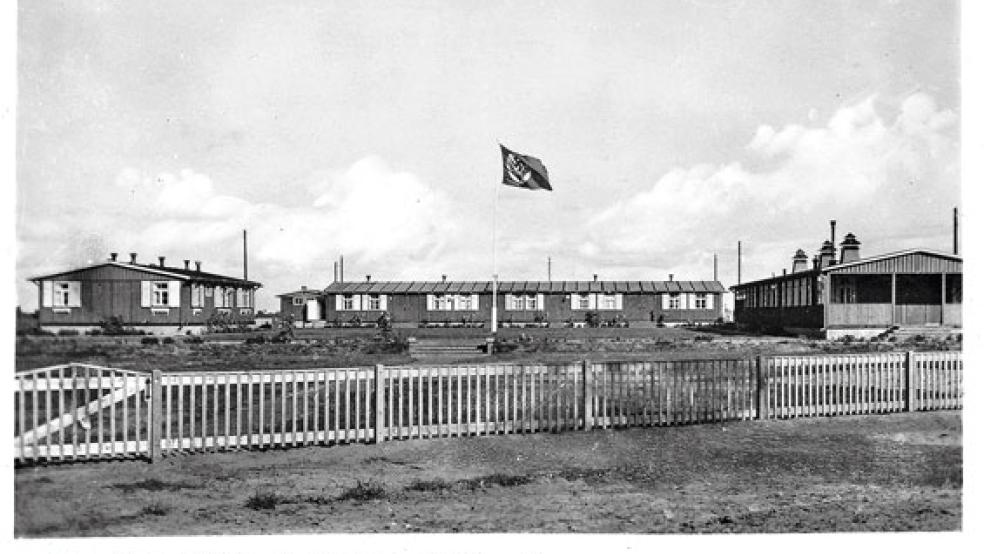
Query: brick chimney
828,254
198,266
799,261
368,278
112,256
187,265
850,249
444,278
161,260
133,257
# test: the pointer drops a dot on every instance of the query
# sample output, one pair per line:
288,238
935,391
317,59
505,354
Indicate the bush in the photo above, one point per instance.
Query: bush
68,332
149,341
193,339
592,319
369,490
167,340
263,501
259,339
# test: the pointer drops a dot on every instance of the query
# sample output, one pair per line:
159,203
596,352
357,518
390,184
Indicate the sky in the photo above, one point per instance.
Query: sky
671,131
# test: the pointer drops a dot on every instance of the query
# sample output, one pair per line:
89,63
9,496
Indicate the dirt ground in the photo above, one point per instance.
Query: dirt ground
864,473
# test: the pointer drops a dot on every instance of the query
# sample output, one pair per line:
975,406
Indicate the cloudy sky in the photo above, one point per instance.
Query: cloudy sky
671,129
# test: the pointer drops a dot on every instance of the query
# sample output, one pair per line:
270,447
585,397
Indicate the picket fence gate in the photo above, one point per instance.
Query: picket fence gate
84,412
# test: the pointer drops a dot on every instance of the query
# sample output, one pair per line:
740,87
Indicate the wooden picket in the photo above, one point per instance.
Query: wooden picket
81,411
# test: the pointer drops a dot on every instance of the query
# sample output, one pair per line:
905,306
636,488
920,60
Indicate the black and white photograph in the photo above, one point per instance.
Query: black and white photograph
527,270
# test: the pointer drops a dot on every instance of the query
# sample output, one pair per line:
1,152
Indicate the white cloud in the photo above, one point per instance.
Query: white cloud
891,180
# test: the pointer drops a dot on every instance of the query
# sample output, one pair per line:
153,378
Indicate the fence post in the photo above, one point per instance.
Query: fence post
588,394
156,420
380,402
910,382
762,383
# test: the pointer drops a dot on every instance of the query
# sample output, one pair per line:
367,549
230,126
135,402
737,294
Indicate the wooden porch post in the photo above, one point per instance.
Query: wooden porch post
894,322
942,298
156,420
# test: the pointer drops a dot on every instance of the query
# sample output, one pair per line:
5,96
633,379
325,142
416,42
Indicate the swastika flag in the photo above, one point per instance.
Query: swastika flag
523,171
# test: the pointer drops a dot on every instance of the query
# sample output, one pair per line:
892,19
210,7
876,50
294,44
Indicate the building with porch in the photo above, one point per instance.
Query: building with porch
861,297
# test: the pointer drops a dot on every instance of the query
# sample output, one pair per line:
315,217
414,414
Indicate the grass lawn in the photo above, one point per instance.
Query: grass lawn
895,472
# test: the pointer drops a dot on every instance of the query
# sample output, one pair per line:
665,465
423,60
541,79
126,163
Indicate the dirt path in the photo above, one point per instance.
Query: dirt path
871,473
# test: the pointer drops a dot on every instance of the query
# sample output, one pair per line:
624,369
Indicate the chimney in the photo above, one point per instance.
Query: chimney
799,261
595,276
783,271
444,278
833,228
956,233
187,265
828,254
368,278
850,249
303,288
335,279
133,257
112,256
715,266
671,276
198,266
816,262
160,259
245,266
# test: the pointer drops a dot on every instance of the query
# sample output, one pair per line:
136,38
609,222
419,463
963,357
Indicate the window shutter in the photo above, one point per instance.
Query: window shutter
710,300
74,294
618,301
339,302
382,302
174,294
474,301
573,301
666,300
46,294
144,294
592,301
218,297
539,303
430,302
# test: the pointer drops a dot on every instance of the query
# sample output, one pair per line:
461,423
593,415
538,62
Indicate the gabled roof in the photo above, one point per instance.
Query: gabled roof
521,287
171,272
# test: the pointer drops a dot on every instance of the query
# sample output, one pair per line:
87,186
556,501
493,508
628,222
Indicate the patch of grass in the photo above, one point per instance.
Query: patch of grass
430,486
367,490
263,501
155,509
153,485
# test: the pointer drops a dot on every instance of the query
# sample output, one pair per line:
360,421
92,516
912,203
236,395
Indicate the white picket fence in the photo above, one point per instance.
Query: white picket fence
81,411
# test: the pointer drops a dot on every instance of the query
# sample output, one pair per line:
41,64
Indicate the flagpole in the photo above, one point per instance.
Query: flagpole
495,275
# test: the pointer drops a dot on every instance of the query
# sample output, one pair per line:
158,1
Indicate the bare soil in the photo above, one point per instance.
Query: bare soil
861,473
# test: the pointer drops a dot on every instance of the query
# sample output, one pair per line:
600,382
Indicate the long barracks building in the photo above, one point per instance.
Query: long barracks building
556,303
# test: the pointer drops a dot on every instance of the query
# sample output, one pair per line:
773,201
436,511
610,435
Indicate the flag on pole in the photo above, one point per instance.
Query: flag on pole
523,171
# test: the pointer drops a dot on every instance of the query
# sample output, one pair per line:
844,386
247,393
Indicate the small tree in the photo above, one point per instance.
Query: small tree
592,319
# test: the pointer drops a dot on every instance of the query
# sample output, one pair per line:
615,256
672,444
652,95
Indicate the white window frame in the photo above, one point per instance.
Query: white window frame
197,296
374,302
61,294
159,294
583,301
348,302
700,301
297,301
675,301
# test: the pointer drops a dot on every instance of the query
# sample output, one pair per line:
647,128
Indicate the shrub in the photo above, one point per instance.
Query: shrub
68,332
259,339
167,340
263,501
369,490
592,319
155,509
149,341
193,339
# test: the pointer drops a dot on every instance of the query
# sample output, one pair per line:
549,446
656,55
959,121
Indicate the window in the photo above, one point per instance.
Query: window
243,299
297,301
700,301
608,302
454,302
583,301
159,294
374,302
197,296
348,302
62,294
464,302
230,295
674,300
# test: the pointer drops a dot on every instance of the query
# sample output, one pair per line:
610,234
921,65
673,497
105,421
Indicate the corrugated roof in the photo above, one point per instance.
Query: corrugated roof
525,287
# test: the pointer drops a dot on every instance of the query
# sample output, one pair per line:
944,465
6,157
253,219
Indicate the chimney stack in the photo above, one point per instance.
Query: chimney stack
335,279
133,257
245,258
850,249
112,256
303,288
833,227
715,267
444,278
198,266
799,261
368,278
595,276
671,276
187,265
956,234
828,254
341,269
161,260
